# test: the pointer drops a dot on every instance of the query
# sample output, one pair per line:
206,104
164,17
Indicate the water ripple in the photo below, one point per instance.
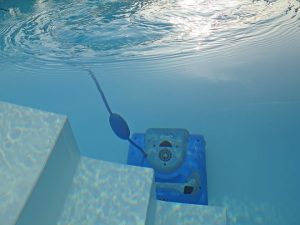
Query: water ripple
89,32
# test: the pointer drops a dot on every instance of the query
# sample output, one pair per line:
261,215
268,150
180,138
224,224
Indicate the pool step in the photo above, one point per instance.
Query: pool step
109,193
44,180
178,214
38,157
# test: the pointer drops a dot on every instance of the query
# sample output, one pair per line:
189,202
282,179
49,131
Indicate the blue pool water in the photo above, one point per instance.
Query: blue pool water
228,70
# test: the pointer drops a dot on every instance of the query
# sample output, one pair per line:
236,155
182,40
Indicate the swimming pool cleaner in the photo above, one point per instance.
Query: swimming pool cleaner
177,158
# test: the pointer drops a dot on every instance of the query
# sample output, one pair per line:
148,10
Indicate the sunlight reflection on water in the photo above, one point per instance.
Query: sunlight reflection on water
93,32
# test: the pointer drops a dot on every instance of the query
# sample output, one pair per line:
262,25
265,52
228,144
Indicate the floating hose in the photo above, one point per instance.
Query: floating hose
117,123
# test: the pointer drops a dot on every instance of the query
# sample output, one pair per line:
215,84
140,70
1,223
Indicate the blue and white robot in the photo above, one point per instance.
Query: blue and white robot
178,160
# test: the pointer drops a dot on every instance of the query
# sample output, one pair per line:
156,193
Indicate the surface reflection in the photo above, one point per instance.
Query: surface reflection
92,32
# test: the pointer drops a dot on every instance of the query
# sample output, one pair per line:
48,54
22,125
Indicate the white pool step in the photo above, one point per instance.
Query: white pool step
44,180
38,157
109,193
186,214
